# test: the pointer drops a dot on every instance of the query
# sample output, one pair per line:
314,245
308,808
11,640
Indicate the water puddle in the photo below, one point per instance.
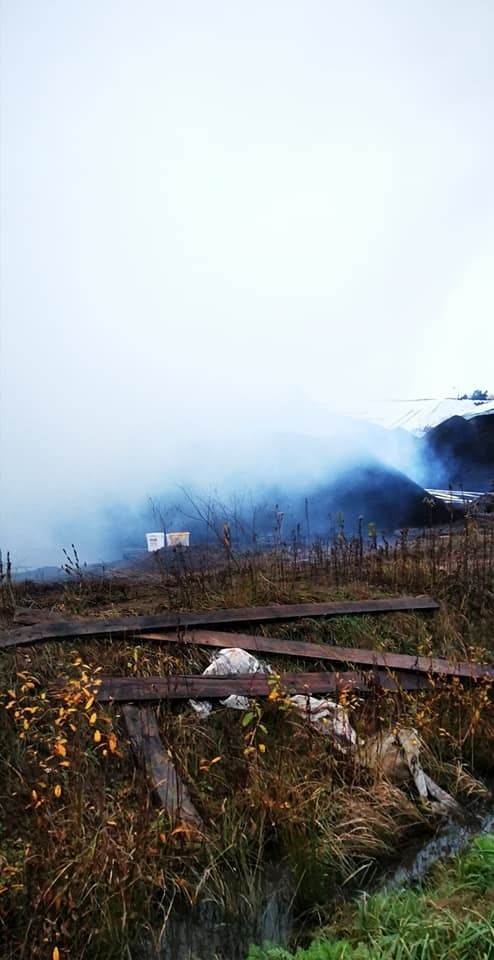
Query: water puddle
208,932
451,839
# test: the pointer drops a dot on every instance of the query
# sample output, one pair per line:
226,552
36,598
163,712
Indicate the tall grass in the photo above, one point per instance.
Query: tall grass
86,859
450,918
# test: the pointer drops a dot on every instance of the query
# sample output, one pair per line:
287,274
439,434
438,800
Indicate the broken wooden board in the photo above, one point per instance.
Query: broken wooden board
146,742
322,651
184,687
108,626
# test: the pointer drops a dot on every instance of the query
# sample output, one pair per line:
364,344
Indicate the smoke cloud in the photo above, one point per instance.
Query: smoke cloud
219,223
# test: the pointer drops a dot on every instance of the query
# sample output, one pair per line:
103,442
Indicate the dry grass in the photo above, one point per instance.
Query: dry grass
87,860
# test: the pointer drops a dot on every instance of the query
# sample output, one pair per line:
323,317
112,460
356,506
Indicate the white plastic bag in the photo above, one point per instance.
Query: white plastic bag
327,716
230,661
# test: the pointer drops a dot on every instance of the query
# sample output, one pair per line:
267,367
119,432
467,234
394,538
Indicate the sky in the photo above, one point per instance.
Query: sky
221,219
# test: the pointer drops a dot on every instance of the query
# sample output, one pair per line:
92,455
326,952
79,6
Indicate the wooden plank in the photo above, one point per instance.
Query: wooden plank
146,742
174,620
25,616
322,651
183,687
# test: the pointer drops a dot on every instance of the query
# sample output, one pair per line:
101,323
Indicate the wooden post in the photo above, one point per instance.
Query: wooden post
146,742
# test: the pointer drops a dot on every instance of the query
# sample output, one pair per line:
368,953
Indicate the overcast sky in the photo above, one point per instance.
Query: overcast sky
216,213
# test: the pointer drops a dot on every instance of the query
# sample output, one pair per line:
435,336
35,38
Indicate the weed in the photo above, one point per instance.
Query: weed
444,920
86,860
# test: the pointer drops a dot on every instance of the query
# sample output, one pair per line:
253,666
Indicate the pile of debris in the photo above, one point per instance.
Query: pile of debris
393,754
484,506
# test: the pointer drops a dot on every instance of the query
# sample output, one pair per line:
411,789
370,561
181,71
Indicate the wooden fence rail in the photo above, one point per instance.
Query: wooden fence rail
326,652
109,626
185,687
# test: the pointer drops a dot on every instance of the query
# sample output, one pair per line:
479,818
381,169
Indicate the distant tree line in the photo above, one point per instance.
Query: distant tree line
476,395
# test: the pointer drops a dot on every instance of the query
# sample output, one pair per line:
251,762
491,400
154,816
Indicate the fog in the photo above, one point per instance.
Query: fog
219,223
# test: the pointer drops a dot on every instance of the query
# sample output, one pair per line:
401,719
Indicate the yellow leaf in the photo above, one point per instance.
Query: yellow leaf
97,736
59,749
262,747
89,703
215,760
56,954
57,790
177,830
112,742
93,717
111,823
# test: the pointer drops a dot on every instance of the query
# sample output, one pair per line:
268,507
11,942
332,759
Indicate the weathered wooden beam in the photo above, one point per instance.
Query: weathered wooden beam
150,752
172,620
26,616
195,687
322,651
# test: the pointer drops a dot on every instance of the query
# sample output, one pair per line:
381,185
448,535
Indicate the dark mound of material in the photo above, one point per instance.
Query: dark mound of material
484,506
373,491
207,553
461,452
379,494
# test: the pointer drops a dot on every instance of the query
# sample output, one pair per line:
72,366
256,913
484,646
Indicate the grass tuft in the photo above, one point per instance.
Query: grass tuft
88,863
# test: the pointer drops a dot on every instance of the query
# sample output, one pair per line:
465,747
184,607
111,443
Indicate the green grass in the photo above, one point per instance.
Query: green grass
451,917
